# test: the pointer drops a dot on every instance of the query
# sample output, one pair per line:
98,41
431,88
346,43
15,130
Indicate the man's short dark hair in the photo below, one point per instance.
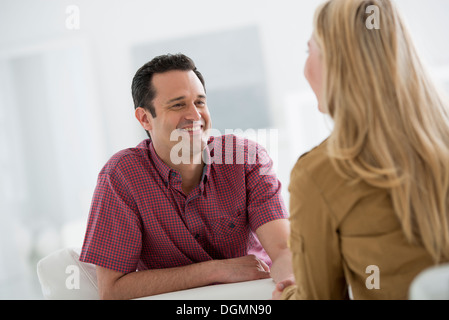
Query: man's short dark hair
142,89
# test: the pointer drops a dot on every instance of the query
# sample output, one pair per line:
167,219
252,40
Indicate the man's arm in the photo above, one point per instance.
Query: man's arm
274,238
116,285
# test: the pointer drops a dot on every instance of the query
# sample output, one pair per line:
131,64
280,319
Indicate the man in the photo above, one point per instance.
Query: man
165,218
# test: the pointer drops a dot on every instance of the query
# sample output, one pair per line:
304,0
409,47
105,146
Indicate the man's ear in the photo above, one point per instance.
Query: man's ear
145,118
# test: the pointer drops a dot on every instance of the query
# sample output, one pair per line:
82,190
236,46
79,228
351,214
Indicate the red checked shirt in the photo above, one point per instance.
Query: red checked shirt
140,218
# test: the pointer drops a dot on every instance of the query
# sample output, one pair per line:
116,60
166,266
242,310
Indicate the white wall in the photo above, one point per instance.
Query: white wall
66,107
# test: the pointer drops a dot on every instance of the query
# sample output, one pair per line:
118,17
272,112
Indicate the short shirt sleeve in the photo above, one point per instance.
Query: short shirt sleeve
113,237
265,201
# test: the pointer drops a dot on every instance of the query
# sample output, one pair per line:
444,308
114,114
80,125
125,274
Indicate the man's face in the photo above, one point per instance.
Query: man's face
181,111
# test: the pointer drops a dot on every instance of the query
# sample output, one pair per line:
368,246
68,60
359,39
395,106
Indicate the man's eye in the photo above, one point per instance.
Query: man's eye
177,106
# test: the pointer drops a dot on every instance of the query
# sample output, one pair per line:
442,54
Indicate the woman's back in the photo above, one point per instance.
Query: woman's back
349,234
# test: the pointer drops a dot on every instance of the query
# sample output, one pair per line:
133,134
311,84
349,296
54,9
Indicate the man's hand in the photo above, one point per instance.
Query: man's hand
280,286
244,268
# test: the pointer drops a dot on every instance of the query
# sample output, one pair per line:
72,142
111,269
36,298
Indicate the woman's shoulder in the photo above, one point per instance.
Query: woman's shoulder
315,161
315,172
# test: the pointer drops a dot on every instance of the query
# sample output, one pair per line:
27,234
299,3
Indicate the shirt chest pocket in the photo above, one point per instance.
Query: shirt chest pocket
230,235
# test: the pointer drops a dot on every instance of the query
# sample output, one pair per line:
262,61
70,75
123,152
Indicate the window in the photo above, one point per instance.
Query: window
235,78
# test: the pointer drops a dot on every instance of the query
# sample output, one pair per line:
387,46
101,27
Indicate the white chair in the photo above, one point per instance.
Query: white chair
63,277
431,284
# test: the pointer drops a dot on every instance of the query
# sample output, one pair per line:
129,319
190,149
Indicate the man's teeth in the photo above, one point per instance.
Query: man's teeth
192,129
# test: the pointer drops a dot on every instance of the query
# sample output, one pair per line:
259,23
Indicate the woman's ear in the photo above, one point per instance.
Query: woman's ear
144,117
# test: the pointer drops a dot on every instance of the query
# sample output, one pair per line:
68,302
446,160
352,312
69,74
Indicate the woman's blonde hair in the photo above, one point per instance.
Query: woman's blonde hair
391,123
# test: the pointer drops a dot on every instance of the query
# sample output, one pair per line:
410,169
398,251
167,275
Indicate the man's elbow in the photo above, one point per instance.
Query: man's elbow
108,284
107,293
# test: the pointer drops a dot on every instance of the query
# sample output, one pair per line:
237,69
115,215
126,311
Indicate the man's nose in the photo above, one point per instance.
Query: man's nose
193,112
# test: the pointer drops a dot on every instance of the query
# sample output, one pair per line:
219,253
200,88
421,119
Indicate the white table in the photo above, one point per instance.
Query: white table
248,290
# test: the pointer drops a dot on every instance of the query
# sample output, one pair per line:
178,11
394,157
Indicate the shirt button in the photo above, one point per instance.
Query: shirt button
197,236
231,225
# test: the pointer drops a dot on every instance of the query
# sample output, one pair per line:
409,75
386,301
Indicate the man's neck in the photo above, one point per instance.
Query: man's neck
191,176
191,172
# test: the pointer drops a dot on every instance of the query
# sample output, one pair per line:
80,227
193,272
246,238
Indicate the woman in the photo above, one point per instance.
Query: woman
369,206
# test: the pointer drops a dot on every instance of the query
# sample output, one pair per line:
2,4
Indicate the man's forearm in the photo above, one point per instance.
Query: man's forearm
157,281
282,269
113,285
274,237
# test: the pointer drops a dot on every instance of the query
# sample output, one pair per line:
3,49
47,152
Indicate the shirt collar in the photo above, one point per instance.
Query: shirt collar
161,167
164,170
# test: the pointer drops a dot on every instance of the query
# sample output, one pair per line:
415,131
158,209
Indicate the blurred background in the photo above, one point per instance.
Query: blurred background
65,101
